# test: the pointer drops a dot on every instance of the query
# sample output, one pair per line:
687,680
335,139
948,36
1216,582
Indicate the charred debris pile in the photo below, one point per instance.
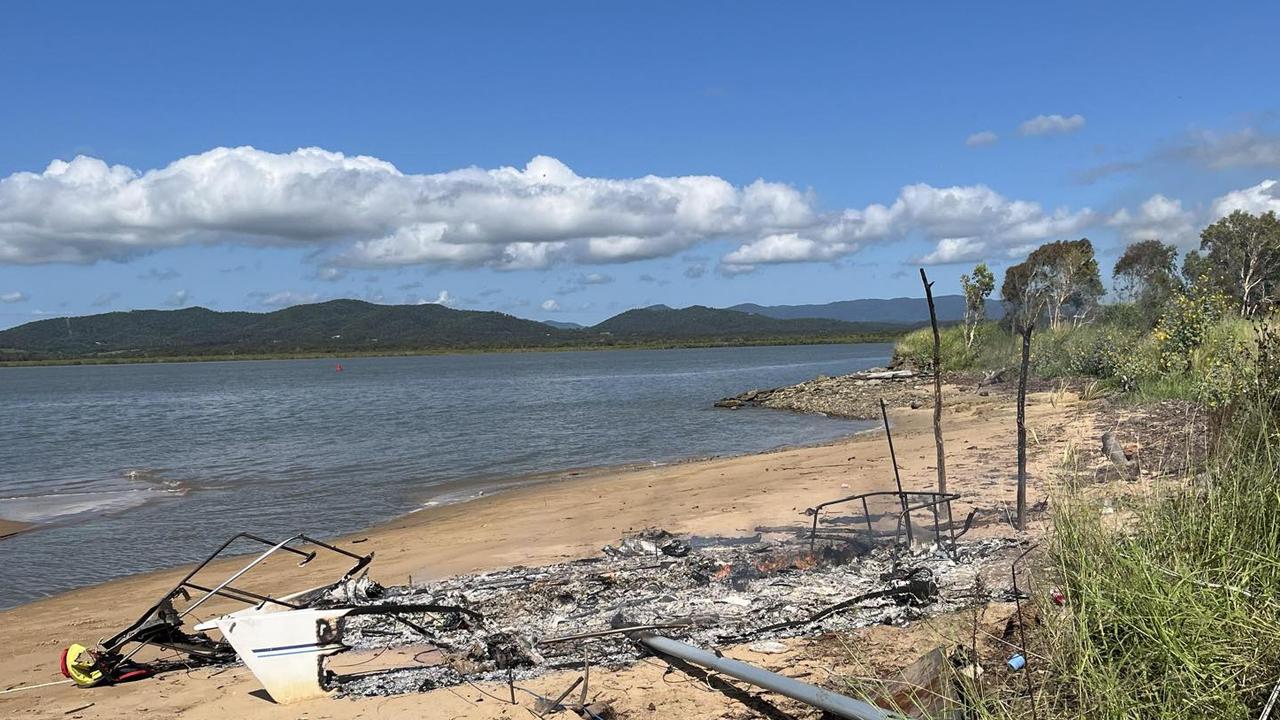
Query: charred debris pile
520,622
680,599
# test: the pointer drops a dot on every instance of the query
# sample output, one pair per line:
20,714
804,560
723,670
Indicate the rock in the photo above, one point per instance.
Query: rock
1124,457
995,377
983,393
768,647
915,404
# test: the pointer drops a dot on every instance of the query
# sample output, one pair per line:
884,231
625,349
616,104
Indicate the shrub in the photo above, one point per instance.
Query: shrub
916,347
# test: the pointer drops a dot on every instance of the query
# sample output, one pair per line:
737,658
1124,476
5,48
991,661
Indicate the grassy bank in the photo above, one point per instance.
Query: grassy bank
1171,590
1173,613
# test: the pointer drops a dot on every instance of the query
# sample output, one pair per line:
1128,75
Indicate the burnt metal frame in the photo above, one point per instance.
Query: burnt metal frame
936,499
133,632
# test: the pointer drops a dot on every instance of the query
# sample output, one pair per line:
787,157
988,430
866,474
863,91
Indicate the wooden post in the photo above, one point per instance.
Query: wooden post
1022,426
937,385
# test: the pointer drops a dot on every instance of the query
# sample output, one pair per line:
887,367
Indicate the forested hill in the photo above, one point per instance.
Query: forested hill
663,322
354,326
334,325
901,310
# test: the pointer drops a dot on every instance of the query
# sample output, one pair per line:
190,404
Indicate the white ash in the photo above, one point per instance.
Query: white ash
722,594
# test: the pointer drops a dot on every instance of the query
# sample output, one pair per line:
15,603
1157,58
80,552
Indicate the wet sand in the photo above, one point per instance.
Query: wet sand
552,521
9,528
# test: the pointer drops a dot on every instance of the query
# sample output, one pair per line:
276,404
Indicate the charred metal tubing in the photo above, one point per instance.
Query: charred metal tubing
939,498
937,532
128,634
119,638
893,458
122,637
244,596
834,703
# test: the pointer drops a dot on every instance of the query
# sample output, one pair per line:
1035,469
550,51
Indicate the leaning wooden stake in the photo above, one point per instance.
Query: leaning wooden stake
1022,426
937,385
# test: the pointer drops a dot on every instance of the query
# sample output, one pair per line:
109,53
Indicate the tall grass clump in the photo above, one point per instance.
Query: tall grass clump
1175,612
988,349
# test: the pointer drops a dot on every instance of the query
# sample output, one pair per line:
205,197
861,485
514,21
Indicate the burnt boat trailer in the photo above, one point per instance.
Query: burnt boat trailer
160,626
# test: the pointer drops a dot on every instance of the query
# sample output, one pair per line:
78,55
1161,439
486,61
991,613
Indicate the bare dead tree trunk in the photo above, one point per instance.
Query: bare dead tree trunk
937,385
1022,426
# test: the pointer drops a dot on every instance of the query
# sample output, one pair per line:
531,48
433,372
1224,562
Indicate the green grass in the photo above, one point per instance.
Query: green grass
1174,614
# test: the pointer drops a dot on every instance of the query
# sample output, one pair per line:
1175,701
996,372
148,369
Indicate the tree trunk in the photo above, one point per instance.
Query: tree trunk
937,385
1022,426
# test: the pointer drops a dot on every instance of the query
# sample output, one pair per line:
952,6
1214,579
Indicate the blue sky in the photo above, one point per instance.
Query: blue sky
571,160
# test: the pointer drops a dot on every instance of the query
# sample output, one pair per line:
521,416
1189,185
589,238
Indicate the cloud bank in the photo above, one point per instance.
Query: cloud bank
363,211
358,211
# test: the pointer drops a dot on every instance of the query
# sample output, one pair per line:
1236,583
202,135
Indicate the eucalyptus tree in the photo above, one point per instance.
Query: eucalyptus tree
976,291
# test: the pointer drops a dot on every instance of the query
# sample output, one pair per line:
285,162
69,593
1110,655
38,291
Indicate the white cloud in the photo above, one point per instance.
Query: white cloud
955,250
16,296
1258,199
158,275
784,248
178,298
980,139
329,274
550,305
584,281
1244,148
1051,125
285,298
362,211
1159,218
964,222
444,298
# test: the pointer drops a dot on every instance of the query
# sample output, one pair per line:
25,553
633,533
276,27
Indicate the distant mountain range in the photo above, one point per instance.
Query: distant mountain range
355,326
894,311
661,322
557,324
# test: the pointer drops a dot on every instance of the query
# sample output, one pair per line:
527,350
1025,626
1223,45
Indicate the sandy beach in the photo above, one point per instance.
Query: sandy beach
559,519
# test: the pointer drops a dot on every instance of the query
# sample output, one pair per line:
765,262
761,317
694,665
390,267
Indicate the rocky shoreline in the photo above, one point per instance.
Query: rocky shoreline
856,395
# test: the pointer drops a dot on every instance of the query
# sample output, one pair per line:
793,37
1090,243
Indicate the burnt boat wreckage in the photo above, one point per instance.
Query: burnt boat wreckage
630,602
897,560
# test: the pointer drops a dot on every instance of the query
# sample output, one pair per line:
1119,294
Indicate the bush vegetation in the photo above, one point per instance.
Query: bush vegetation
1170,607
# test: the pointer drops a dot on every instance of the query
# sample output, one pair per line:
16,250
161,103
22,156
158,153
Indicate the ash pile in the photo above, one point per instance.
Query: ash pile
711,592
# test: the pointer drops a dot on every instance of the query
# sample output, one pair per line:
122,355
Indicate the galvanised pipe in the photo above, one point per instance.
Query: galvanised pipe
834,703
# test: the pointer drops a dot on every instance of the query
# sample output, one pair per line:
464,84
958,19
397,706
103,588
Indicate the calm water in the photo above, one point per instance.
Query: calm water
135,467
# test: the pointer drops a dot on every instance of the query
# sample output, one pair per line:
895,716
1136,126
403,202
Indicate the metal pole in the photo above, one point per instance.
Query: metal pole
884,413
823,699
